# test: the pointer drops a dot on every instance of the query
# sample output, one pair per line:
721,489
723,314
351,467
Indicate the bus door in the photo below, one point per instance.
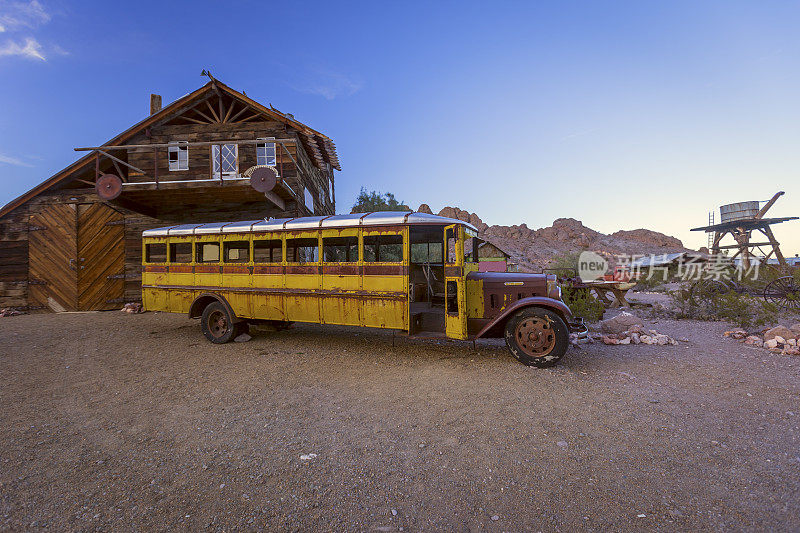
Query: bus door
455,318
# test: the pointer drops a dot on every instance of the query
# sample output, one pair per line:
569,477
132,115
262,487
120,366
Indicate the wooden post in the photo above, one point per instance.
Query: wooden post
775,245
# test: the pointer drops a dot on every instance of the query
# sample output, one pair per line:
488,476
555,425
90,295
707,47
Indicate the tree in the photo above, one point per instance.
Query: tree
375,201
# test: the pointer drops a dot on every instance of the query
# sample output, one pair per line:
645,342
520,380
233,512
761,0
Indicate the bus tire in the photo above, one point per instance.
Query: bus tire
537,337
217,323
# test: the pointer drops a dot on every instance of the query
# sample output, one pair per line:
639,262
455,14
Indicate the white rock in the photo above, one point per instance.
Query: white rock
626,340
635,338
772,343
646,339
308,456
780,339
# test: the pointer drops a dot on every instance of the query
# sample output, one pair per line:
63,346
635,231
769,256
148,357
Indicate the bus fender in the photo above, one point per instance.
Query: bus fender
202,301
497,325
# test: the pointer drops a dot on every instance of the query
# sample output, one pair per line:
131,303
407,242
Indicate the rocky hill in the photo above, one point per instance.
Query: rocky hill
534,249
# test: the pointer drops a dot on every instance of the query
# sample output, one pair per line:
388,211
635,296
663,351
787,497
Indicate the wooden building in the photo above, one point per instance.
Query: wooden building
73,242
491,258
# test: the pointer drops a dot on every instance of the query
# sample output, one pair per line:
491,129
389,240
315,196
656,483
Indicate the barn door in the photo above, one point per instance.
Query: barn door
101,258
52,251
76,257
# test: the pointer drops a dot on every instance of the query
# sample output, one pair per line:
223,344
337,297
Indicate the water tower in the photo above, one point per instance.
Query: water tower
739,221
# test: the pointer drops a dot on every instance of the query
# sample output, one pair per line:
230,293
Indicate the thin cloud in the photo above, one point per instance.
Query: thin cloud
8,160
328,84
30,49
16,15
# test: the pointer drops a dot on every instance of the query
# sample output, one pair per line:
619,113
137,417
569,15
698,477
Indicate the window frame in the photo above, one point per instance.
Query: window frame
170,251
226,245
147,254
272,239
378,234
294,248
178,147
349,248
198,256
215,159
266,146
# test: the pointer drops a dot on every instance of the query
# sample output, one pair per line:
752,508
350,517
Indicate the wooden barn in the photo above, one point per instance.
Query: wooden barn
73,242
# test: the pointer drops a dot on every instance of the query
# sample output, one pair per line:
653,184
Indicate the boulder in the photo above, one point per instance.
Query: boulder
620,323
771,343
626,340
779,331
635,338
608,339
424,208
795,328
754,340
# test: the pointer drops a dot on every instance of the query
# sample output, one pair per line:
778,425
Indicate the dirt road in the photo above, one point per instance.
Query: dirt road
136,422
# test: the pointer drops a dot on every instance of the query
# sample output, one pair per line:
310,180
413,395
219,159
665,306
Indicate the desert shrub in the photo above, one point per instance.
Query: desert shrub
582,304
711,303
564,265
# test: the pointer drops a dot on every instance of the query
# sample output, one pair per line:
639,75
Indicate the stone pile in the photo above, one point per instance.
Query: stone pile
638,335
132,308
780,339
626,328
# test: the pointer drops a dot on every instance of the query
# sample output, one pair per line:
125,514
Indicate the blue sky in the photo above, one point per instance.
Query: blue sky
620,114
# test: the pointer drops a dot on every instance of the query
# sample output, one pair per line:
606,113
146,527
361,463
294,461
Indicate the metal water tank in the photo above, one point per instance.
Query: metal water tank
738,211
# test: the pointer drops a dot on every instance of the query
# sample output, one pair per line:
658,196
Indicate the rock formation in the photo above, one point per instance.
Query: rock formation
534,249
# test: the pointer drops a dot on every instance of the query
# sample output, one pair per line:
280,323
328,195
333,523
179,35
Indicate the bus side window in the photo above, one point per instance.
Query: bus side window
207,252
180,252
237,252
383,248
267,251
340,249
302,251
155,253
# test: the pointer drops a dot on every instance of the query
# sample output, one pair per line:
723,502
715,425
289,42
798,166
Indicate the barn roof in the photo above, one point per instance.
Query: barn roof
376,218
319,146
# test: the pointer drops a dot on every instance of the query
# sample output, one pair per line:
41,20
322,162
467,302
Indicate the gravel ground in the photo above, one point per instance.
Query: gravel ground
136,422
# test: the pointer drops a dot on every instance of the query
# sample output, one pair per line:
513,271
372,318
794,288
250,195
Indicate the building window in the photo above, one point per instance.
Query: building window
267,251
302,251
309,199
237,252
226,155
178,155
265,153
383,248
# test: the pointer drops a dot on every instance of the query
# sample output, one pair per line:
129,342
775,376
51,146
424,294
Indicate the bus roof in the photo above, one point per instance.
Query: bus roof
376,218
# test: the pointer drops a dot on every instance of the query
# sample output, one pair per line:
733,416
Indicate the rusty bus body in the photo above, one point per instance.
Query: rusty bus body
403,271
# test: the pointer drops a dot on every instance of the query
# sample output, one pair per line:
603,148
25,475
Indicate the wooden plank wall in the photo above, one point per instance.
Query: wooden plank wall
14,258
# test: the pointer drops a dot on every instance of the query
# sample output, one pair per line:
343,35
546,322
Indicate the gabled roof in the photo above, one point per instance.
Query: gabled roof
375,218
320,147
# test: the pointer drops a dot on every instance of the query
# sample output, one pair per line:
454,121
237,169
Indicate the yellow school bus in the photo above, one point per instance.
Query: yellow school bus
411,272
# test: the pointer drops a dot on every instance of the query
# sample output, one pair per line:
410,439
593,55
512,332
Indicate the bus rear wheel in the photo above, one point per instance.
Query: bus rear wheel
217,323
537,337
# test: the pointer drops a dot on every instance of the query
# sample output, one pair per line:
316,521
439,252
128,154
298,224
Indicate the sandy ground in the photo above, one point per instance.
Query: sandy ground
135,422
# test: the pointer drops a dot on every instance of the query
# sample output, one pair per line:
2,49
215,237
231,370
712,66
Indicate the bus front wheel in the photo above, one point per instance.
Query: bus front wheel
537,337
217,323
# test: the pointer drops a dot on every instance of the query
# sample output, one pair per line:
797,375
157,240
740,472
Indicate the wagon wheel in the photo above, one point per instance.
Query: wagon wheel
706,289
783,292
